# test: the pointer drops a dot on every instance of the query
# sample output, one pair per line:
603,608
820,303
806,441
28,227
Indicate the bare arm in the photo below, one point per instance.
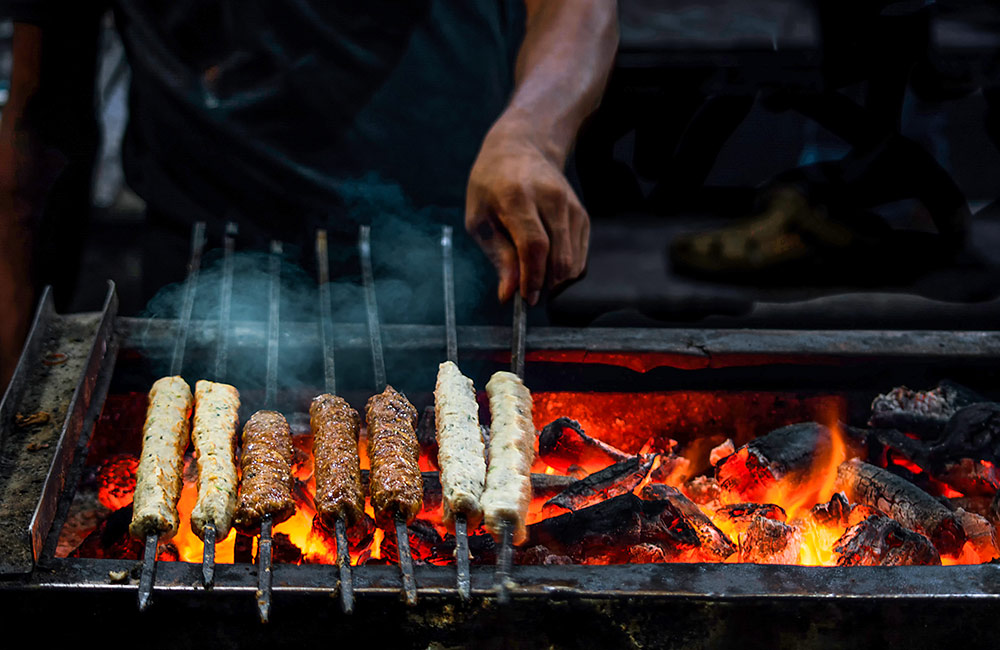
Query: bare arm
519,206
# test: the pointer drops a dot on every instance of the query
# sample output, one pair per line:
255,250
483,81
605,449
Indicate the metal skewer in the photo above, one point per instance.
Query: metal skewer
330,376
378,365
148,576
505,559
221,355
270,398
464,582
406,562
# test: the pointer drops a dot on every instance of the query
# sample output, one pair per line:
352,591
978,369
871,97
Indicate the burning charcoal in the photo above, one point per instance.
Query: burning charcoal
973,432
116,481
111,539
605,531
646,554
703,490
746,512
284,550
426,545
834,512
483,548
768,541
721,452
980,505
786,455
243,548
881,541
359,536
971,477
563,445
903,501
673,470
714,543
168,553
923,413
539,555
427,436
980,534
620,478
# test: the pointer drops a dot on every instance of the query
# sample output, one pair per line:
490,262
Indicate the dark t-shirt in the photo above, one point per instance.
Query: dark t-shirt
272,111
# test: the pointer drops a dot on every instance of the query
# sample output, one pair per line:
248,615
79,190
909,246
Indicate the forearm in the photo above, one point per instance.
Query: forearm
562,69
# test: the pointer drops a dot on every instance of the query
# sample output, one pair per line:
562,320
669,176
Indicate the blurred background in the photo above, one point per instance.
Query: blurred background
710,101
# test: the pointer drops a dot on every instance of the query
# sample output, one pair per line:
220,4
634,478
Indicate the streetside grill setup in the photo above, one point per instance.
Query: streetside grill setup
72,363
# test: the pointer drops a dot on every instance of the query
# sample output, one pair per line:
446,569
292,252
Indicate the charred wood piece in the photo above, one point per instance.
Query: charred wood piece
111,539
903,501
604,532
672,470
834,512
427,436
980,505
620,478
973,432
703,490
878,540
981,536
714,542
563,445
745,512
785,455
924,413
768,541
721,452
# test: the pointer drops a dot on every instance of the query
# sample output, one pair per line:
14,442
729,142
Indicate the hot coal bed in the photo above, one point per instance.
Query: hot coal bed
688,483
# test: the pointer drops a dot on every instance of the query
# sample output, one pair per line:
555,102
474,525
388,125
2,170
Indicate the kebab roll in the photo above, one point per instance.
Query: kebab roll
395,483
159,476
216,408
335,428
266,468
461,452
512,452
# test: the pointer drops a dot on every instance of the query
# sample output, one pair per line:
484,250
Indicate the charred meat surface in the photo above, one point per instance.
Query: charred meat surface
336,428
266,471
395,482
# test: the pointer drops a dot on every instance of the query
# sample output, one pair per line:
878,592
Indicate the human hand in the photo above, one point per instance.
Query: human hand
522,212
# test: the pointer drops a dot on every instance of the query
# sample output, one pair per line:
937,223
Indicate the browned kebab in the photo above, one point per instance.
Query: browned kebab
340,499
394,481
265,495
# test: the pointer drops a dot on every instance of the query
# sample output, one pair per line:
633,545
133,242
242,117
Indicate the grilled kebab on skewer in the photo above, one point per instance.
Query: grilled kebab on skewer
512,452
395,483
159,476
216,408
461,452
336,427
266,471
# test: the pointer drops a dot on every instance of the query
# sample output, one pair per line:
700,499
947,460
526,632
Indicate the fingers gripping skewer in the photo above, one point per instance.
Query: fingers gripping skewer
221,358
329,372
147,578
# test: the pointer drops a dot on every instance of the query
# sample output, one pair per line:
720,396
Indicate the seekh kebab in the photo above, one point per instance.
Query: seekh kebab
461,452
336,427
159,476
395,483
266,469
216,408
512,452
